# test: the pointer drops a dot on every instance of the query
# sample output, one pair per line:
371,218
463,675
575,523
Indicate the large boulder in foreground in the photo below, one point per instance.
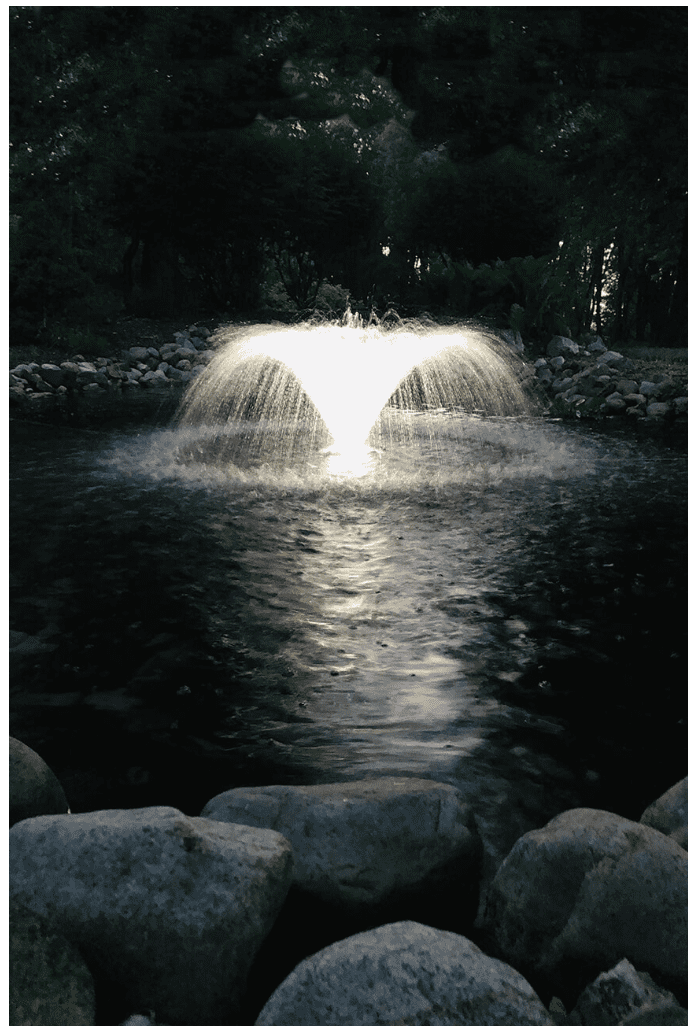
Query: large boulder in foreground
362,843
49,982
669,813
169,908
404,974
588,889
34,787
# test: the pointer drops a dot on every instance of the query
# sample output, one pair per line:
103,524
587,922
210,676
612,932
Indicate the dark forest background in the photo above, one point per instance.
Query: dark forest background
527,166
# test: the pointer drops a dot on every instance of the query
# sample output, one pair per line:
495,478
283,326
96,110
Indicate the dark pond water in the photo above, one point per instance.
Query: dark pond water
499,604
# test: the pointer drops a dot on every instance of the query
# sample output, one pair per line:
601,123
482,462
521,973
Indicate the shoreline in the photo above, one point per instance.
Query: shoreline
143,384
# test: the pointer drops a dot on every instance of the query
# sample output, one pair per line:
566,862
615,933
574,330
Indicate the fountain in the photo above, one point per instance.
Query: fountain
281,393
355,552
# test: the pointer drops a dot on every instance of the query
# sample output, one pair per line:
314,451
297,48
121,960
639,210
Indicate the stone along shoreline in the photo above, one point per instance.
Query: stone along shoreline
362,903
582,380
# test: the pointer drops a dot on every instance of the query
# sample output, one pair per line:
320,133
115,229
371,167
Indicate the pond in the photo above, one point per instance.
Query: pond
497,603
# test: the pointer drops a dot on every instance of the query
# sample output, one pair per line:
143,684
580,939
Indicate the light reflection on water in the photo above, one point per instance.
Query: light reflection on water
362,564
354,624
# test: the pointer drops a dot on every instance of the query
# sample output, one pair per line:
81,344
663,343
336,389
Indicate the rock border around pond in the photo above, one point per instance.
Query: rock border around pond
590,381
576,380
212,919
136,380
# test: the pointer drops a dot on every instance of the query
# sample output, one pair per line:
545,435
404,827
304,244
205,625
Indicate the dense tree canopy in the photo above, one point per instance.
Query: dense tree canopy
525,165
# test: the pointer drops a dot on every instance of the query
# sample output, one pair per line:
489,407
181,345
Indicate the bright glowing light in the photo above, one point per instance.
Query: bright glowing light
270,379
350,460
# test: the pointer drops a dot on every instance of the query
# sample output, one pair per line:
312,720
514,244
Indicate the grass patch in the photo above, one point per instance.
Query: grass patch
672,355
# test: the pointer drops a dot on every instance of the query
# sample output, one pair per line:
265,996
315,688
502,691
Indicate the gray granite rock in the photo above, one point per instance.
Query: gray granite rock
404,974
562,345
586,890
658,409
669,813
618,995
361,843
34,787
173,908
49,982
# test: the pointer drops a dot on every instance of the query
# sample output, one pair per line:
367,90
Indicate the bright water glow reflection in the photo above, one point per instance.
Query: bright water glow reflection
364,567
366,572
350,460
313,384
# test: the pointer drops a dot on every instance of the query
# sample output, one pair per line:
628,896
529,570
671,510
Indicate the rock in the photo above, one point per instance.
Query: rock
71,371
183,354
363,843
662,1014
669,813
681,405
658,409
514,339
562,345
557,362
618,995
613,359
648,389
595,346
49,982
28,647
154,379
138,353
86,376
614,403
586,890
34,787
627,387
173,909
404,974
53,375
562,385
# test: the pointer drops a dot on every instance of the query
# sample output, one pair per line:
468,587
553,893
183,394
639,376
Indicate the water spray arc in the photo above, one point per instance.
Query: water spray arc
290,390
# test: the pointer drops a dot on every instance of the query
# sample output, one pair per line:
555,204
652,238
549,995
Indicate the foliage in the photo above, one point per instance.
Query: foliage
524,165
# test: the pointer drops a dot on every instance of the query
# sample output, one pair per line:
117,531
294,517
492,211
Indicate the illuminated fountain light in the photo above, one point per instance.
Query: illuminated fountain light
279,393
